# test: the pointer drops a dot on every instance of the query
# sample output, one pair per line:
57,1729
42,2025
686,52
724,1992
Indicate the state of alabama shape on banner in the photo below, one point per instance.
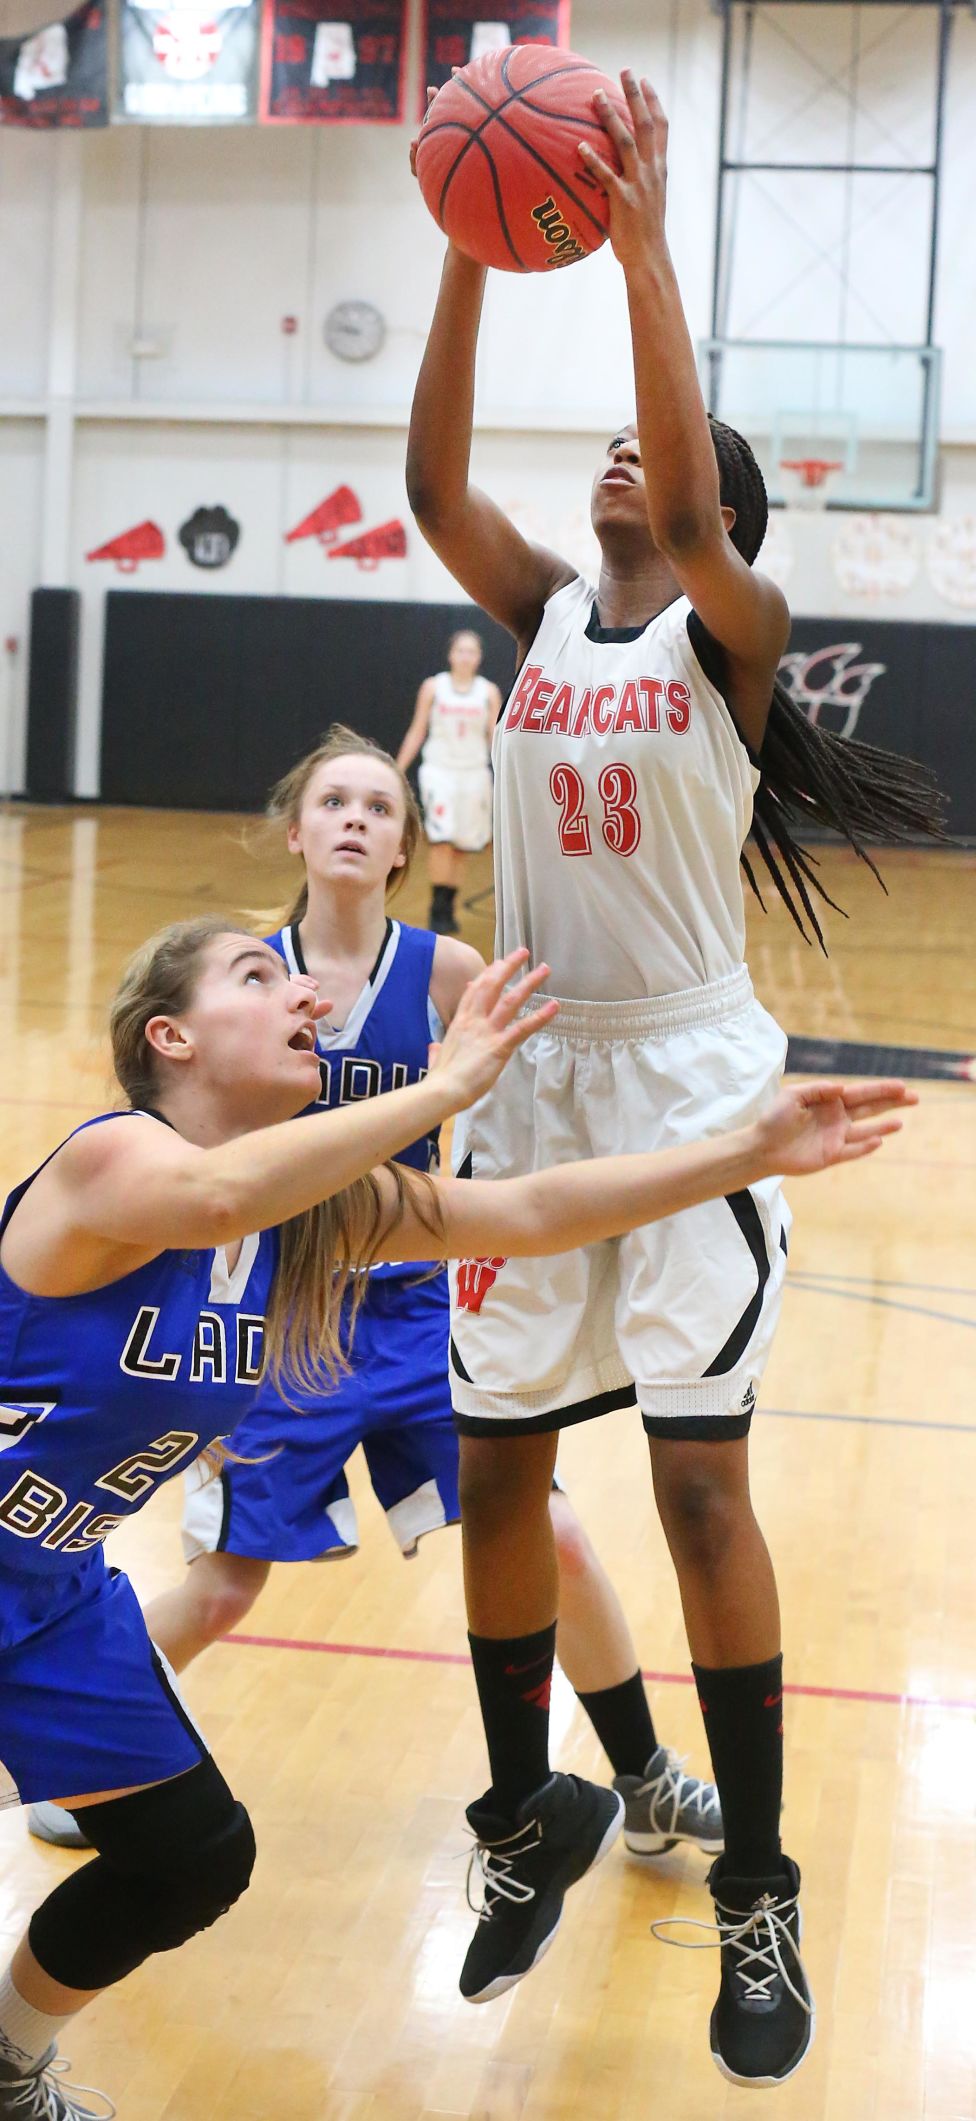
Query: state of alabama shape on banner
57,76
455,31
346,72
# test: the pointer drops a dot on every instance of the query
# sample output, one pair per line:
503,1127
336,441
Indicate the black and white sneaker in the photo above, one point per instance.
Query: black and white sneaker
36,2094
665,1806
763,2021
560,1832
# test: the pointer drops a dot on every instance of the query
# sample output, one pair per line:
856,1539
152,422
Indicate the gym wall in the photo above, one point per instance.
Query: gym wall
231,690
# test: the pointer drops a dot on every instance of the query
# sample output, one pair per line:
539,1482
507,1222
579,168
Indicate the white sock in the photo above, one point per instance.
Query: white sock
25,2034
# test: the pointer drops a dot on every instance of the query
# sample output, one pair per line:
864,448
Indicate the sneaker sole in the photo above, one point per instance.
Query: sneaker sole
507,1981
659,1844
760,2084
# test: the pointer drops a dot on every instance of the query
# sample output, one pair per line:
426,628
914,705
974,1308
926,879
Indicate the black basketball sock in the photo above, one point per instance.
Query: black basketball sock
514,1680
743,1710
621,1718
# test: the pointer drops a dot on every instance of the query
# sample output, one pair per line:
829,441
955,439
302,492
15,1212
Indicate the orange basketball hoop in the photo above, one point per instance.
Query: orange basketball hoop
807,479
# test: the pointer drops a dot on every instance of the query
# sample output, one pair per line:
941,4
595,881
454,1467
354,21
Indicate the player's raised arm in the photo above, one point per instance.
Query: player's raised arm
509,577
416,735
809,1128
742,609
118,1194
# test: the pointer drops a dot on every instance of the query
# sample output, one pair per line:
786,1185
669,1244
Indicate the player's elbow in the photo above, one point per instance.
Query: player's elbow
681,532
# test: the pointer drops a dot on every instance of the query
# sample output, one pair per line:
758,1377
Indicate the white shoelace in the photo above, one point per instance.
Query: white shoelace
757,1937
40,2100
673,1783
494,1866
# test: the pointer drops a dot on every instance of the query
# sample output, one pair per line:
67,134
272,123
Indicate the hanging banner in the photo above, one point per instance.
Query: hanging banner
458,30
58,75
317,69
188,64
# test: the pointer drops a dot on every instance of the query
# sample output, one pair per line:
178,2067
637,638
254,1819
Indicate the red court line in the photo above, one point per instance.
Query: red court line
371,1649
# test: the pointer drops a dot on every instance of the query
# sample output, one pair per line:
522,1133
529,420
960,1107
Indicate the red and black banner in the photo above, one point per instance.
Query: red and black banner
317,70
57,76
458,30
187,64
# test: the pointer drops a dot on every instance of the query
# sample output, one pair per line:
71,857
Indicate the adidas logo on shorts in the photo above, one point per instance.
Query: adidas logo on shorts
748,1400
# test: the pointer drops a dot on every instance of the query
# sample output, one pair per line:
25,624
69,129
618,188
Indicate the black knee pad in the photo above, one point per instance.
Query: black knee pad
170,1861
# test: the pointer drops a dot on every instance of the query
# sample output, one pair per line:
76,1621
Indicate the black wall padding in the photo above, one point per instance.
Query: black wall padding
52,693
207,700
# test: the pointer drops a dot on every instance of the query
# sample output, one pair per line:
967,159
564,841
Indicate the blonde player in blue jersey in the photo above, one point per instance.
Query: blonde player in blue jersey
147,1270
627,773
351,819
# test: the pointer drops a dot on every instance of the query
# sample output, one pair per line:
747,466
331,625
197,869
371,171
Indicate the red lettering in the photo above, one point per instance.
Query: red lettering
651,690
534,715
581,726
566,789
679,707
629,711
602,709
621,818
520,697
557,719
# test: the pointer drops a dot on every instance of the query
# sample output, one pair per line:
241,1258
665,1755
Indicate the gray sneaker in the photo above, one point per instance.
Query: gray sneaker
665,1806
36,2094
50,1822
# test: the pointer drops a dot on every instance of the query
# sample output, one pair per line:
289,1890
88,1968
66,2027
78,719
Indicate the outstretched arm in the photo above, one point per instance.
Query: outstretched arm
416,735
744,611
116,1195
810,1127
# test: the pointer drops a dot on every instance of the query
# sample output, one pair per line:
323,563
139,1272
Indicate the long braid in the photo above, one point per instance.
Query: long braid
809,774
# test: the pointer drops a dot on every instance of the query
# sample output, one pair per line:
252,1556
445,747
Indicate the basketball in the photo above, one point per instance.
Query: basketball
498,159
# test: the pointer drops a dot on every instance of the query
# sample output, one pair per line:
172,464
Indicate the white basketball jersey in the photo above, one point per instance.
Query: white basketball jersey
623,795
457,734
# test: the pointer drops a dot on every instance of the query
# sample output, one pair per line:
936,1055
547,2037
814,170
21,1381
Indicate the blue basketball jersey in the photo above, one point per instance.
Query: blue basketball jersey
105,1395
383,1044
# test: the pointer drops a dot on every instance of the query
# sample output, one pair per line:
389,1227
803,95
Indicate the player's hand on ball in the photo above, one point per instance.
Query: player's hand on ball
638,192
814,1125
415,142
486,1027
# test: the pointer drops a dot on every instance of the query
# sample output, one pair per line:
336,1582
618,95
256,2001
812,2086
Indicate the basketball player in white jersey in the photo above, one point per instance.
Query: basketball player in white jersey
626,779
452,727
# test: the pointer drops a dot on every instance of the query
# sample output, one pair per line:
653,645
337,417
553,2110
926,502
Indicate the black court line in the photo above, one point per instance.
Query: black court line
876,1281
868,1421
881,1303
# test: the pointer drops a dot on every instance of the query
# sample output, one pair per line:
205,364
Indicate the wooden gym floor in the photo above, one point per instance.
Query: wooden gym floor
347,1720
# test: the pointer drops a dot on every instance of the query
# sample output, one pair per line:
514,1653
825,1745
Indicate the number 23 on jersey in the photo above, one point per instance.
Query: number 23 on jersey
620,824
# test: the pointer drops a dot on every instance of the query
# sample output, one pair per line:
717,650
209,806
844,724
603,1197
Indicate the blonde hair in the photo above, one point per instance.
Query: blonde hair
288,794
321,1251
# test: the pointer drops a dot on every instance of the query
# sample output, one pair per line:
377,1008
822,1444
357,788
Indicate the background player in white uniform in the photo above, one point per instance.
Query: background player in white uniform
452,727
283,1496
132,1288
625,781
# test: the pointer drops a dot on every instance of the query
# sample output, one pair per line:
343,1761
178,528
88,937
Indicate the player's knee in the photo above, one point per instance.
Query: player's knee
500,1484
699,1515
573,1550
214,1874
222,1595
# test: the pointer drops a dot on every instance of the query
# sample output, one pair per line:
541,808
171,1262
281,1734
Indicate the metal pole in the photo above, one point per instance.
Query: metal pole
930,400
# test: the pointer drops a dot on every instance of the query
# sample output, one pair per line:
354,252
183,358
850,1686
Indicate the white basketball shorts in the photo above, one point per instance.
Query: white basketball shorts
457,805
680,1313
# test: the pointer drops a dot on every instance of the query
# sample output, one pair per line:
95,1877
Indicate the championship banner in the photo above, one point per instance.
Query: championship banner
188,63
458,30
58,75
318,70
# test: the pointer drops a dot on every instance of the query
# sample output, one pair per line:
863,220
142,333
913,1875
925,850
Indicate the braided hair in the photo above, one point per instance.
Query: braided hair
807,773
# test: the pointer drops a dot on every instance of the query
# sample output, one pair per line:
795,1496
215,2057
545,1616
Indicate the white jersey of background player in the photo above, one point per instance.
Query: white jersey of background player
452,726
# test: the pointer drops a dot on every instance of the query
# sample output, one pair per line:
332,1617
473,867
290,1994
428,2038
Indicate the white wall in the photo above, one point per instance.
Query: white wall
200,242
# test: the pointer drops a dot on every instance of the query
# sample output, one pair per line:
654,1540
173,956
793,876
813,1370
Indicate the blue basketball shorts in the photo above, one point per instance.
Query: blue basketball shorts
291,1502
87,1703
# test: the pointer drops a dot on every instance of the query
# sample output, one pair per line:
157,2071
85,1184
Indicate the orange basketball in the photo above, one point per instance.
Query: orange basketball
498,159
